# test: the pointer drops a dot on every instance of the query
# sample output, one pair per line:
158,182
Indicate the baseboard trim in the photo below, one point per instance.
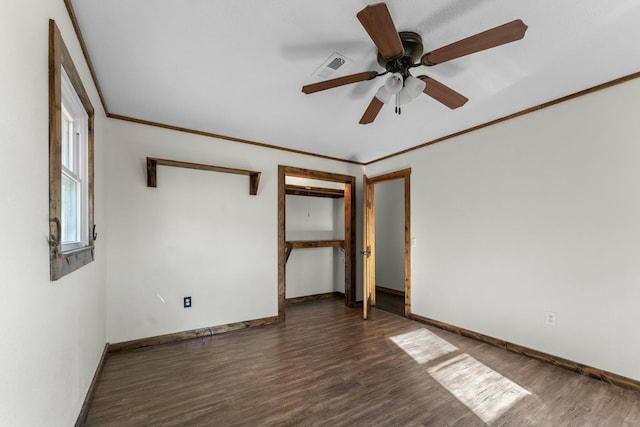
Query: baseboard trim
191,334
389,291
84,411
570,365
306,298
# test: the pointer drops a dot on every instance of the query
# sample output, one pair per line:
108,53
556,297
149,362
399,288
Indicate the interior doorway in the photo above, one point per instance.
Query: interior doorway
369,252
347,243
389,245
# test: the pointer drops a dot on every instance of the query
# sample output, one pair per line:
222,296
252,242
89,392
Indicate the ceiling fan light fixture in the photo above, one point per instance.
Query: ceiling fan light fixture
393,84
413,86
404,97
383,95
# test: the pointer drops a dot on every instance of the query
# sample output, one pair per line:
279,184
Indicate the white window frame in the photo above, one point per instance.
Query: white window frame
74,111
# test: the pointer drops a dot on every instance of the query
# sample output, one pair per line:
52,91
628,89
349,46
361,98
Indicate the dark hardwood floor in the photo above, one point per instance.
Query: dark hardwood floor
326,367
390,302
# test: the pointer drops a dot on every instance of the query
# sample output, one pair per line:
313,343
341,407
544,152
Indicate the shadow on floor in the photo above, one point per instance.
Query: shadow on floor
390,302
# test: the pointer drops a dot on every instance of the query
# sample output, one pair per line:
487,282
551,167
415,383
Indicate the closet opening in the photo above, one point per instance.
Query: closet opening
316,236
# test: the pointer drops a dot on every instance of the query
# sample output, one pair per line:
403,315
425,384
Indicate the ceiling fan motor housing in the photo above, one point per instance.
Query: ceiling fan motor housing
412,44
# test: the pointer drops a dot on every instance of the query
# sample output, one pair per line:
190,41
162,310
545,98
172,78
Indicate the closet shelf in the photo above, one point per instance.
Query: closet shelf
307,244
152,180
302,190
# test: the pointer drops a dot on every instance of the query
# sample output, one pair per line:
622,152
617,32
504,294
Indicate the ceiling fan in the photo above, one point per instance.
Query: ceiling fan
399,52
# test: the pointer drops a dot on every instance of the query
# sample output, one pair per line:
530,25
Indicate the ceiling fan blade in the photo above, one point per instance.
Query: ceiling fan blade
376,19
497,36
340,81
442,93
372,111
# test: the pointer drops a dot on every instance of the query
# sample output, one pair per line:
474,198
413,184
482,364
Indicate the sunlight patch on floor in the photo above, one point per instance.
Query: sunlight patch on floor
484,391
423,346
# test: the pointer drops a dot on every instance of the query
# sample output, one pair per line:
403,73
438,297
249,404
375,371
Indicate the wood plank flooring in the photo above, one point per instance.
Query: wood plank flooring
327,367
389,302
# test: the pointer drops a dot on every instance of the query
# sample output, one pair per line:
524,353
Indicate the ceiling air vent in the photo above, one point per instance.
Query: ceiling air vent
334,62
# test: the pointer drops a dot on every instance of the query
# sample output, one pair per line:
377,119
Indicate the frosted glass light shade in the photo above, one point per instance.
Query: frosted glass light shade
383,95
413,86
393,84
404,97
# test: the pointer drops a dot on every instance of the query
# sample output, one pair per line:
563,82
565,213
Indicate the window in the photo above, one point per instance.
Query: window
74,195
70,163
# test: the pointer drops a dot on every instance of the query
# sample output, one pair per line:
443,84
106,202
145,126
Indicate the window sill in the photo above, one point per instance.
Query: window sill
63,263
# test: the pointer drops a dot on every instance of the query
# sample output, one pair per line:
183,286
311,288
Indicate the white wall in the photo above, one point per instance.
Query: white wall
311,272
539,213
52,333
312,218
197,234
314,271
389,224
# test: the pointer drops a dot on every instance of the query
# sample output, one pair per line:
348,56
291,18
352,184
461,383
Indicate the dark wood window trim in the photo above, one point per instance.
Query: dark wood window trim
63,263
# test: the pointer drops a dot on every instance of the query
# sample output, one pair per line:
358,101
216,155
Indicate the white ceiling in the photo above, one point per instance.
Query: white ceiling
235,68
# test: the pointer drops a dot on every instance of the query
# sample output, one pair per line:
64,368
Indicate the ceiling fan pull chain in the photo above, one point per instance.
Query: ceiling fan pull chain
398,109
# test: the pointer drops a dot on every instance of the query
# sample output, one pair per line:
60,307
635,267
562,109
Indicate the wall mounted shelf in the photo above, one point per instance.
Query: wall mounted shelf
307,244
153,162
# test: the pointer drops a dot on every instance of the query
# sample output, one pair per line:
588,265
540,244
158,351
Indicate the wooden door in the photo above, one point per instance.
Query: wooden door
369,291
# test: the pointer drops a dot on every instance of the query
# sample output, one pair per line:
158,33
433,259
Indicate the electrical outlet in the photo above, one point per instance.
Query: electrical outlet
187,302
550,318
